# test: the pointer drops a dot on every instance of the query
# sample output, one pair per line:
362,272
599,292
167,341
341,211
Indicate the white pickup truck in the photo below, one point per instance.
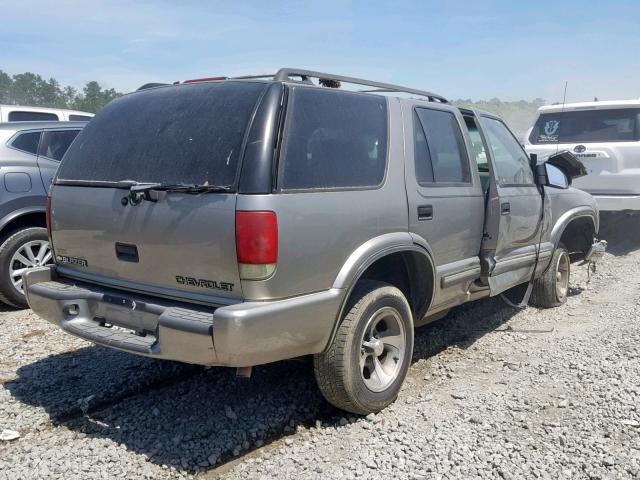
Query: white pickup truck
606,138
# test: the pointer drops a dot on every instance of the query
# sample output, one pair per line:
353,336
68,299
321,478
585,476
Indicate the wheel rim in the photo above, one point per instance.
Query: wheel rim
562,276
30,255
382,349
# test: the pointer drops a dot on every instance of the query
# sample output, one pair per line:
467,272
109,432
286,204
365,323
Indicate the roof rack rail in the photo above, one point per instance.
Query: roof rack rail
151,85
285,74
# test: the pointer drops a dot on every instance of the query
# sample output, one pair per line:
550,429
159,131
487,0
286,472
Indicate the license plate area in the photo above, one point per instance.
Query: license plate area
104,323
126,314
119,301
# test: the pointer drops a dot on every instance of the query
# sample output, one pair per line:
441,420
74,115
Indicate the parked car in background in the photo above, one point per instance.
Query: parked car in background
245,221
606,137
29,156
20,113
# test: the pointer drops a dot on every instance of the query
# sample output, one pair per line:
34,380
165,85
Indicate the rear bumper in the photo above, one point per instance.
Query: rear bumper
617,203
245,334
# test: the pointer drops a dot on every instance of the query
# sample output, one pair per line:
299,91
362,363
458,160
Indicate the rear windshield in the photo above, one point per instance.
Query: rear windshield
183,134
613,125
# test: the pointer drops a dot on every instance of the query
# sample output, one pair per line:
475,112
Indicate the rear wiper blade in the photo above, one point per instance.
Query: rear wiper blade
152,192
178,187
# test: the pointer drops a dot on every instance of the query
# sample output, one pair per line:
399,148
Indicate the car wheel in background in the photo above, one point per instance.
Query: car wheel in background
26,248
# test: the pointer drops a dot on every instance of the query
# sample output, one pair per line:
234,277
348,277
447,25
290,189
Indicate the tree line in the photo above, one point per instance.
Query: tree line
33,90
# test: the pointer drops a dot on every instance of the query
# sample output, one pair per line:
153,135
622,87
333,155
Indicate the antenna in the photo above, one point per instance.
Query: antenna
564,100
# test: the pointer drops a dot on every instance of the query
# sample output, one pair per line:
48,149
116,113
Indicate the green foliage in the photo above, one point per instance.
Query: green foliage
518,115
31,89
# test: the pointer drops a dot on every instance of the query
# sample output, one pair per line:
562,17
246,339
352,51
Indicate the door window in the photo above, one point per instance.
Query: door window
56,143
479,152
27,142
511,162
440,154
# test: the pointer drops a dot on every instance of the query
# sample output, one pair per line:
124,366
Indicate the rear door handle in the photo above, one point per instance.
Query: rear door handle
505,208
425,212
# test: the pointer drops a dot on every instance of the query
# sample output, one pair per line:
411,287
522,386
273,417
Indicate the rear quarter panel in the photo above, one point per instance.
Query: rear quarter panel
318,231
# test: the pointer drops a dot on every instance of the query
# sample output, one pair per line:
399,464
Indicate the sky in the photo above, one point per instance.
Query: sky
476,50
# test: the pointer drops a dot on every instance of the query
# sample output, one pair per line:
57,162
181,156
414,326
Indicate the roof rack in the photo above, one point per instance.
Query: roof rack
285,74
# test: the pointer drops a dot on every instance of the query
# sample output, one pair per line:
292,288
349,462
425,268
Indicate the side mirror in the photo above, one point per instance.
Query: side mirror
558,170
570,165
556,177
539,171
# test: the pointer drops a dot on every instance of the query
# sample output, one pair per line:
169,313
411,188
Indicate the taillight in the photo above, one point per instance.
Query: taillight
48,217
256,244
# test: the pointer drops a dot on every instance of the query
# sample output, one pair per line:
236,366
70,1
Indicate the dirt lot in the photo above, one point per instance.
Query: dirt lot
493,392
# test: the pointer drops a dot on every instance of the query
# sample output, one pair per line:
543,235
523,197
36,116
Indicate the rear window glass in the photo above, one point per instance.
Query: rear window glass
27,142
79,118
334,140
613,125
56,143
184,134
31,116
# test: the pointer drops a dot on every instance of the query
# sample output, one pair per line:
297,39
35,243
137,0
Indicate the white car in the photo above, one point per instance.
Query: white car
20,113
606,138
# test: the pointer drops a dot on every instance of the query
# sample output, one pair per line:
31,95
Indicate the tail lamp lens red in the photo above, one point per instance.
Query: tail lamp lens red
257,237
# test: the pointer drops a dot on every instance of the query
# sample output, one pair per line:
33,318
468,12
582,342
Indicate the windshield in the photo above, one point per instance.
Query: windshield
188,134
613,125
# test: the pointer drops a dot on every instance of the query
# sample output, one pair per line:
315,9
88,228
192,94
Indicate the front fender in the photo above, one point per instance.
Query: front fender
567,217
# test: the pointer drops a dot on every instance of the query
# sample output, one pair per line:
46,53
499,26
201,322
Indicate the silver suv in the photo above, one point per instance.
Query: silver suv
605,136
244,221
29,156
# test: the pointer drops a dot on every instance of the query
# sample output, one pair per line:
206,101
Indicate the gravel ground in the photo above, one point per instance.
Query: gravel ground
493,392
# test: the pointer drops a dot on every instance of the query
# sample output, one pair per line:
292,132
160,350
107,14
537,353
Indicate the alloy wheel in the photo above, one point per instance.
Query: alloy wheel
382,349
30,255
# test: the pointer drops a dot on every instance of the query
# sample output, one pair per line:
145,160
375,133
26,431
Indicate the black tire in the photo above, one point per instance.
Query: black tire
338,371
551,289
9,294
